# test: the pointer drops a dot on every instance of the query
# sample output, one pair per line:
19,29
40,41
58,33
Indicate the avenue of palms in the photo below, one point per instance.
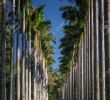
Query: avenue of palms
26,52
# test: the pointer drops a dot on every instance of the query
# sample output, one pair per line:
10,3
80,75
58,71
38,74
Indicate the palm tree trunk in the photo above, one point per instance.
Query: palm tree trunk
92,52
89,56
18,57
29,69
102,64
34,70
18,68
96,59
73,84
84,63
26,66
12,69
26,50
87,61
3,58
12,85
23,52
85,43
29,54
107,46
79,82
82,70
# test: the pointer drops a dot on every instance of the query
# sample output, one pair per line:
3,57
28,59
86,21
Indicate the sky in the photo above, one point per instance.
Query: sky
53,14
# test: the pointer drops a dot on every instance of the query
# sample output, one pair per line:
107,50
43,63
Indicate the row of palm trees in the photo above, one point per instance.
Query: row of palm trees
25,52
88,77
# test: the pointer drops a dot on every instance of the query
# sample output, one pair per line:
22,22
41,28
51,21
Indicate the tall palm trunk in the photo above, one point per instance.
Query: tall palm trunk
89,54
34,74
23,52
12,54
102,81
96,59
26,66
26,52
82,70
73,84
3,58
84,67
87,61
29,57
107,30
92,52
79,64
18,56
70,83
18,68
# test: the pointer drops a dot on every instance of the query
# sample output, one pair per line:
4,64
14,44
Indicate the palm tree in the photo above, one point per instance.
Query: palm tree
18,53
96,59
92,49
29,48
12,53
101,2
23,50
35,46
0,46
107,46
89,52
3,58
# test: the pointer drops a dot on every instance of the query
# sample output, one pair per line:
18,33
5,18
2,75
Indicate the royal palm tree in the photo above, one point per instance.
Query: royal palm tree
96,59
102,64
3,50
0,42
107,44
29,48
12,53
18,52
23,49
92,49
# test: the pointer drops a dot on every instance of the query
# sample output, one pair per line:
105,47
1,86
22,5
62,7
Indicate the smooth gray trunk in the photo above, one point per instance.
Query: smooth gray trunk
96,43
18,56
102,65
26,66
18,67
92,52
23,55
34,71
29,55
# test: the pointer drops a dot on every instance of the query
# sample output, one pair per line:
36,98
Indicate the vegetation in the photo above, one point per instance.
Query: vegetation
85,51
26,51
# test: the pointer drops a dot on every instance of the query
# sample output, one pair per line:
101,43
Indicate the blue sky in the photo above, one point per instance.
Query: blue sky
53,14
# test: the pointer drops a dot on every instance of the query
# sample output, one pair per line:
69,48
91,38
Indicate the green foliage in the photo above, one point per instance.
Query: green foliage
71,36
55,85
46,41
73,29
